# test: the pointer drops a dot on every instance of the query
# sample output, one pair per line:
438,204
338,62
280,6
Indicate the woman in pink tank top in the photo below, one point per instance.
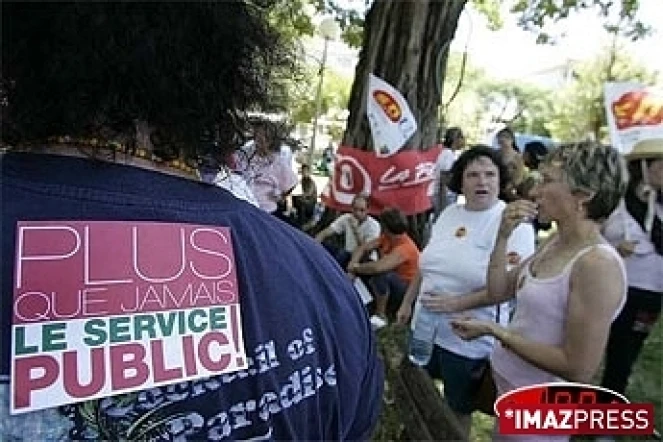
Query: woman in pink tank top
571,290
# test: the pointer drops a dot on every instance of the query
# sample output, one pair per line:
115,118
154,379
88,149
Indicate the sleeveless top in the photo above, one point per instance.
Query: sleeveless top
540,316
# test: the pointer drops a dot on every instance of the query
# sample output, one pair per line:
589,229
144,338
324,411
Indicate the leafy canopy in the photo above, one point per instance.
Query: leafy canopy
535,15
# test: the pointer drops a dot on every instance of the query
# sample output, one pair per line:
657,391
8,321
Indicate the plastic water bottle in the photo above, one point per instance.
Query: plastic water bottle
420,348
422,336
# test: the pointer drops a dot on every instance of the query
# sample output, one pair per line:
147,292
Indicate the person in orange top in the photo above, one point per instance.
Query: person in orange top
389,276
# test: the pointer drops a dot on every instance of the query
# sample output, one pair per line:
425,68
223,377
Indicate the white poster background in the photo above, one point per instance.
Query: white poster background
389,116
648,108
55,394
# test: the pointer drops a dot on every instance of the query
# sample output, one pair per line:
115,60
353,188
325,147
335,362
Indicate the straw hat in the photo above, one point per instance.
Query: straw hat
646,149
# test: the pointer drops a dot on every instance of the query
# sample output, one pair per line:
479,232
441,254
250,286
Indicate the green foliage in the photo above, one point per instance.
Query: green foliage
290,17
482,99
301,97
466,109
620,16
573,113
350,20
530,104
491,10
579,108
570,113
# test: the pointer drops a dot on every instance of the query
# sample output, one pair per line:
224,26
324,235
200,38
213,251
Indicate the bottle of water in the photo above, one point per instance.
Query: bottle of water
420,349
422,339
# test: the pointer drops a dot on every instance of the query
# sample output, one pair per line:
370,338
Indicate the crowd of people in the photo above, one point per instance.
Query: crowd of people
485,296
489,294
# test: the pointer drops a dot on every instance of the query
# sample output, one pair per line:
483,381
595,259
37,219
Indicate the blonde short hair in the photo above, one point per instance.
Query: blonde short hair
594,168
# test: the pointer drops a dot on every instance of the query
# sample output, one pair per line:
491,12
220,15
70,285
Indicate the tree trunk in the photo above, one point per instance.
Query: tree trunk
406,43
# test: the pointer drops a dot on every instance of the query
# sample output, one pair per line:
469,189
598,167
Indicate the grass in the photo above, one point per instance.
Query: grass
645,386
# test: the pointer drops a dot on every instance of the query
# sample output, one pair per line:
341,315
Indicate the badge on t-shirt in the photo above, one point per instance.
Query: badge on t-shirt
103,308
461,232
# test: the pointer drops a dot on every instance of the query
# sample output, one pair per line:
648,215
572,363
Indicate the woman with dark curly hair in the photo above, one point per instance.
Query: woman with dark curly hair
453,268
145,304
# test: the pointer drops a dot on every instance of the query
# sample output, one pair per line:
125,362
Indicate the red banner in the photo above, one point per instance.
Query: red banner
401,180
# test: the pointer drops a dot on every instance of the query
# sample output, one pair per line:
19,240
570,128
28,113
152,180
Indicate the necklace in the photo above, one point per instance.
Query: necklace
110,151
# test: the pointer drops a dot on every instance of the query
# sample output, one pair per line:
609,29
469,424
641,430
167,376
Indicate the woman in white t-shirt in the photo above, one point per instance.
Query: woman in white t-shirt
455,263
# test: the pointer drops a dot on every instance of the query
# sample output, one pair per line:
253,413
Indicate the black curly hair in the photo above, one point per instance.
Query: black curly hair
468,157
190,69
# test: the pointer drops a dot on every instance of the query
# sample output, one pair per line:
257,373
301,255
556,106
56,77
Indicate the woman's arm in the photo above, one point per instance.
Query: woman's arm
597,288
412,290
405,310
501,282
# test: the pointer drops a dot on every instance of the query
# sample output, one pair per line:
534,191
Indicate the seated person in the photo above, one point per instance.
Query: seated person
359,228
304,204
390,275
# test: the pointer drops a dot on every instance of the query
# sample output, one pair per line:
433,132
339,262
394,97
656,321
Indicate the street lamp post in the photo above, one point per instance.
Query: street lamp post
329,31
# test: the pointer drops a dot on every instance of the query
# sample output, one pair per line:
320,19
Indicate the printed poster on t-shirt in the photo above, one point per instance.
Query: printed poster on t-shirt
389,117
102,308
635,113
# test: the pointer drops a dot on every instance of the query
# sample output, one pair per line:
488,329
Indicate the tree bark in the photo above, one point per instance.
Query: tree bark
406,43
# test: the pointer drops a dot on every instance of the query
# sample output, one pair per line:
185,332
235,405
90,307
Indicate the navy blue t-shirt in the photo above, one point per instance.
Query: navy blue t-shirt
314,373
